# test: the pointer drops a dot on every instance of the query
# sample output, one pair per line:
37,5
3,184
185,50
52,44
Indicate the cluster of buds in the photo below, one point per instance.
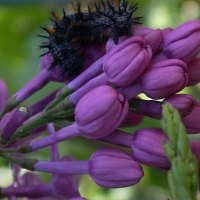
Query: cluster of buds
96,104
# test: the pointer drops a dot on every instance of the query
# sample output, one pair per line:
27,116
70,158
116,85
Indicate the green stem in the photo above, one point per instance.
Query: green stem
25,163
64,92
24,130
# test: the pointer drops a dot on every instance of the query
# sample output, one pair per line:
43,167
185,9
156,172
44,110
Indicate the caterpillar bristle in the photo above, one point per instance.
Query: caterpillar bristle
109,5
44,46
103,4
56,16
78,8
48,30
47,52
64,13
43,36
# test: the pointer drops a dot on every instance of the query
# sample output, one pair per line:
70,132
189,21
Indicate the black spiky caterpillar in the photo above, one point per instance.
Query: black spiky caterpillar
71,32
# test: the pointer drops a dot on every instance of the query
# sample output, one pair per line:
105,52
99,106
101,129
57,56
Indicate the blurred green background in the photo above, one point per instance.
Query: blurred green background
19,61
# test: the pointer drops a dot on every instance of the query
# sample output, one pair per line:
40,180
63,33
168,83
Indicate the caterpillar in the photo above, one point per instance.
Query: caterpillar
73,31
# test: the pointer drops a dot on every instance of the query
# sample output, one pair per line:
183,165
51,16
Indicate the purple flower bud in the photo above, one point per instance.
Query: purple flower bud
184,103
132,119
164,78
147,147
3,94
153,38
112,168
193,72
100,111
192,120
127,61
106,167
184,41
97,114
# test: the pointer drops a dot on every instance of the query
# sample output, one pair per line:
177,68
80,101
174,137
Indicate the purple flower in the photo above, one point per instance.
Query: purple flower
100,111
3,94
191,121
97,114
147,147
184,41
164,78
112,168
160,80
127,61
193,72
153,38
106,167
184,103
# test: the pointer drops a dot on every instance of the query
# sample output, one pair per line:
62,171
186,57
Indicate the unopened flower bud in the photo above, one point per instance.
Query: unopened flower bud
107,167
184,103
97,114
147,147
100,111
184,41
153,38
127,61
191,121
164,78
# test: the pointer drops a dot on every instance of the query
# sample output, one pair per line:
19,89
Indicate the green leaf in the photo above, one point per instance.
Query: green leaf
183,176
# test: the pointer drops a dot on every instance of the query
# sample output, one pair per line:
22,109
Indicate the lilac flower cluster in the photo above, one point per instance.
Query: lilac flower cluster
97,104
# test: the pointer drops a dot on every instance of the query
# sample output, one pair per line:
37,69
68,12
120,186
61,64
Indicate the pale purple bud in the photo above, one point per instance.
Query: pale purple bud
191,121
147,147
184,41
132,119
106,167
127,61
193,72
184,103
97,114
112,168
153,38
3,94
100,112
164,78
